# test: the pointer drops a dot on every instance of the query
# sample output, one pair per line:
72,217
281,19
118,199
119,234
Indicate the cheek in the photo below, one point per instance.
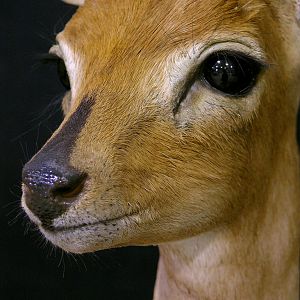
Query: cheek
196,173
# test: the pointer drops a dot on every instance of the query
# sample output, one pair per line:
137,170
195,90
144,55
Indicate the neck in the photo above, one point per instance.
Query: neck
254,257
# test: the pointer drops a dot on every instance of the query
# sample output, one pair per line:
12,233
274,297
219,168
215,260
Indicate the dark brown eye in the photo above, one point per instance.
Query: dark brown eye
231,73
63,74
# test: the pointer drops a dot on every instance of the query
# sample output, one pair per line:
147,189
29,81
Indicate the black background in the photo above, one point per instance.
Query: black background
30,111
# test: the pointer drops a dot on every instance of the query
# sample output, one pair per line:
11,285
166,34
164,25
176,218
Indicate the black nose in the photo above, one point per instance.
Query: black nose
50,189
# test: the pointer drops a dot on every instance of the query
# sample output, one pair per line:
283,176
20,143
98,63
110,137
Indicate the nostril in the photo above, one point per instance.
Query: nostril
72,189
50,190
43,180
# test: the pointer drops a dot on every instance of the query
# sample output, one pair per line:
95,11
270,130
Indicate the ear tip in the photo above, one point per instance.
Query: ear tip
74,2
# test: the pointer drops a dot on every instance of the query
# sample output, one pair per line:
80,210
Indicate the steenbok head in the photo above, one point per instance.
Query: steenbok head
175,112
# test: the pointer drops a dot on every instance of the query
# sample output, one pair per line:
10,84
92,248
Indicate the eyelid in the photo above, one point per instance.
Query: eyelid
238,54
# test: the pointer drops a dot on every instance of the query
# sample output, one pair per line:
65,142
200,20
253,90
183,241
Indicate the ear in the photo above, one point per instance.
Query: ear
75,2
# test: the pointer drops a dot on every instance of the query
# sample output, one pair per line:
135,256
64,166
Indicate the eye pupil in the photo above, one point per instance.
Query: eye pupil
232,74
63,74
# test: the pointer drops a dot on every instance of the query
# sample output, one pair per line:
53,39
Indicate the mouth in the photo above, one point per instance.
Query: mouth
113,222
92,236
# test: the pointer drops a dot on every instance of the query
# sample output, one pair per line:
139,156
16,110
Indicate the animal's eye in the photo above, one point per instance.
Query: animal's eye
230,73
63,74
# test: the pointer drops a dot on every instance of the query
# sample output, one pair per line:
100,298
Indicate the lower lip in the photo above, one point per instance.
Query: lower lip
108,222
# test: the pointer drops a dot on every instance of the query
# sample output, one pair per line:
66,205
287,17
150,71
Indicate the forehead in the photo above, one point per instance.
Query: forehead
156,25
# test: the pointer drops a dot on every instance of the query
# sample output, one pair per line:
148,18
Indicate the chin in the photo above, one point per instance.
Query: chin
92,237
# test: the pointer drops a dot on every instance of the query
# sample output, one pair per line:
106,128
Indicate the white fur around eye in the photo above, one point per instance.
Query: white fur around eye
75,2
73,64
55,49
298,10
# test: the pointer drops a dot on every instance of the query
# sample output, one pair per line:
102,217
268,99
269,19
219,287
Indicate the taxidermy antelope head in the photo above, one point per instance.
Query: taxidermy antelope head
179,131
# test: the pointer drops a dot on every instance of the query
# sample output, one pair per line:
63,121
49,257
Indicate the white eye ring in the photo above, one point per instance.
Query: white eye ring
298,10
55,49
75,2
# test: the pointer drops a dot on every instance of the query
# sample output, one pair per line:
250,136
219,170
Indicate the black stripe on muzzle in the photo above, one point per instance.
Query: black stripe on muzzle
49,172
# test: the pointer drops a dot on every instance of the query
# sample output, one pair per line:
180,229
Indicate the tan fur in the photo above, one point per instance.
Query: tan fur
216,185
